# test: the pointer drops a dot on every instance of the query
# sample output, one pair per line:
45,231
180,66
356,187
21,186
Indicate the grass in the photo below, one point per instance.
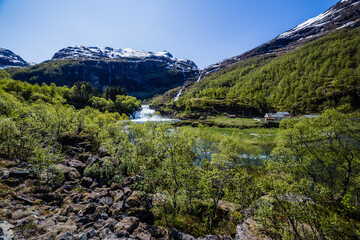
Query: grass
250,135
236,122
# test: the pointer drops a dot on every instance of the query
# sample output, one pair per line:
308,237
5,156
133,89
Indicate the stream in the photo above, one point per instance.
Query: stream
146,114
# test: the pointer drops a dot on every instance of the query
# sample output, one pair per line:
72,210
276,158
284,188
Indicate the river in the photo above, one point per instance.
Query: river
146,114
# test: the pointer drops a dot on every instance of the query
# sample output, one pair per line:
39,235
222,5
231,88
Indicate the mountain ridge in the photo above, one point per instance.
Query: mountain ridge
143,73
345,13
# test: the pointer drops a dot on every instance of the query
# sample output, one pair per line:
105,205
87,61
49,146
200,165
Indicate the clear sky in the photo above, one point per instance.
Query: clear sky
205,31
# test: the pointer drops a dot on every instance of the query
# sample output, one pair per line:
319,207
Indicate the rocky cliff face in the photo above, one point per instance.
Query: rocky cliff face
143,73
346,13
10,59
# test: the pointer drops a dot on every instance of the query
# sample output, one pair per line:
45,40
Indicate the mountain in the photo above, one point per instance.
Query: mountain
345,13
10,59
143,73
309,68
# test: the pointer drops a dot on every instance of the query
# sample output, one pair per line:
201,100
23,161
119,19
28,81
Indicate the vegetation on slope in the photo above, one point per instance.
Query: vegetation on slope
320,75
302,185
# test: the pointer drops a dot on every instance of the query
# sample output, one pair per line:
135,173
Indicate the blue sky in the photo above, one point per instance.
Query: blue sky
205,31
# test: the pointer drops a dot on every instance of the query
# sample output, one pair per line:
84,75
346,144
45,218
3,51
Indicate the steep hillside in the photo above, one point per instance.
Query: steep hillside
142,73
346,13
322,74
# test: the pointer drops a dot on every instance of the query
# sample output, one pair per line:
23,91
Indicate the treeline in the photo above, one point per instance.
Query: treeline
82,94
320,75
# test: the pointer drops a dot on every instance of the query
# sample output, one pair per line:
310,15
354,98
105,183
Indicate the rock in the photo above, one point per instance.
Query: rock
62,228
7,230
119,196
24,199
77,164
125,226
97,195
115,186
67,236
103,152
20,214
176,235
209,237
70,173
90,209
86,182
141,233
94,185
5,174
142,213
134,200
87,234
247,230
19,173
106,233
92,160
106,201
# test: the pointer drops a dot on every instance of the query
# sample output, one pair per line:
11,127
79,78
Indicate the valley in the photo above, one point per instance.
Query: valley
117,143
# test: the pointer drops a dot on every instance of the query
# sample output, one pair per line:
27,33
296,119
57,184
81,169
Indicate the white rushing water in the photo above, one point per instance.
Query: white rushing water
199,78
178,94
146,114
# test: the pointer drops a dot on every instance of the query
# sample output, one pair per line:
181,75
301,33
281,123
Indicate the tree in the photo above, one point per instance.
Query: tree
315,179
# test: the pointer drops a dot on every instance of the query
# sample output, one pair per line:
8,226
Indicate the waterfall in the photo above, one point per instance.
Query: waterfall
109,73
179,93
146,114
199,78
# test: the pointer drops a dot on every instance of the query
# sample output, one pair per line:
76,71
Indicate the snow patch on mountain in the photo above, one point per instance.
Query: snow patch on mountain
10,59
113,54
321,20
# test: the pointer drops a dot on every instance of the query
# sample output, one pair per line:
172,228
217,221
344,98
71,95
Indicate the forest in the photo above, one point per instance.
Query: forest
302,182
319,75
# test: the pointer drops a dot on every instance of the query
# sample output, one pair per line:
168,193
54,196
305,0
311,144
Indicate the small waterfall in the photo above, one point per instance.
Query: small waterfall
179,93
109,73
199,78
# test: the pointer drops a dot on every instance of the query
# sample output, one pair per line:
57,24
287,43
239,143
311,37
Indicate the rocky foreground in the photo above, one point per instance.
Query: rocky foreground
81,207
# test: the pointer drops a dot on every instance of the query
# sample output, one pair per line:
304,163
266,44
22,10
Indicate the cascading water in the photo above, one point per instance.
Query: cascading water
179,93
199,78
146,114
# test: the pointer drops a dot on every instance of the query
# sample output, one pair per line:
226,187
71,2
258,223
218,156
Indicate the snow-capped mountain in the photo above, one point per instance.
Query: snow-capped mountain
345,13
143,73
110,54
10,59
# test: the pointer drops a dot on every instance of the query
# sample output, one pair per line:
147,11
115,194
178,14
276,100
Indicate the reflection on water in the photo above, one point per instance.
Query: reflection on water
148,115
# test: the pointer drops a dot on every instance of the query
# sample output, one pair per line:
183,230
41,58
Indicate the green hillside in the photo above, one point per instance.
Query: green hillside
320,75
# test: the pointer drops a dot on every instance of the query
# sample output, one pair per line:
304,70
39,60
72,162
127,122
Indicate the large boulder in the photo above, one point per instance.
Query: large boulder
126,226
70,173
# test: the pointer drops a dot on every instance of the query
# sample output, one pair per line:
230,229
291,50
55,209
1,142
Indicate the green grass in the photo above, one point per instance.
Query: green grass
233,121
250,135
